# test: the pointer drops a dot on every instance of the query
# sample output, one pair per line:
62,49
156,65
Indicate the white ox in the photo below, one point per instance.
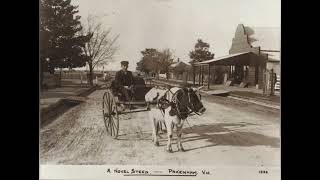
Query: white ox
181,102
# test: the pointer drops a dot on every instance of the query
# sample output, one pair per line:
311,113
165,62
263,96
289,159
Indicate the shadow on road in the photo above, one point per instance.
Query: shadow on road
221,135
50,115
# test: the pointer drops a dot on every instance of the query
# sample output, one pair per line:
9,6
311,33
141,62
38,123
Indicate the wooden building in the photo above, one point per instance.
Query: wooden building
179,70
268,38
247,61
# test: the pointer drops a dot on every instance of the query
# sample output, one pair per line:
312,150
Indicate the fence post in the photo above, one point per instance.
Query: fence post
267,83
272,82
263,82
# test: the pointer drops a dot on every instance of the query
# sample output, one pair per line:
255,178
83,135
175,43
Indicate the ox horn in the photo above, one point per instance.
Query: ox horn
198,88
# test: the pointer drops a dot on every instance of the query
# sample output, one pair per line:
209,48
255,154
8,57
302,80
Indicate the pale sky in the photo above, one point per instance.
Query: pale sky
177,24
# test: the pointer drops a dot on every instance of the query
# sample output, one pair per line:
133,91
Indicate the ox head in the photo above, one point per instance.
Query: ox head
187,99
195,103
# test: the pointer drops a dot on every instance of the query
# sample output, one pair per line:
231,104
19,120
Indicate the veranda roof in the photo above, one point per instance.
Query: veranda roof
244,58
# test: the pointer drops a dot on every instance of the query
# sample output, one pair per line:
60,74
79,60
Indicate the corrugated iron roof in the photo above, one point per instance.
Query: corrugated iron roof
221,58
180,66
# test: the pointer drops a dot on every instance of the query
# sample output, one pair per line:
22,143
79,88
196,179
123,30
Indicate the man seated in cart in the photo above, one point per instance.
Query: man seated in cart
124,82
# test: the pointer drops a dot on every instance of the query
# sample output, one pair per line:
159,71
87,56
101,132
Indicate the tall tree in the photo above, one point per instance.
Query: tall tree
201,52
101,47
165,60
148,63
60,41
155,61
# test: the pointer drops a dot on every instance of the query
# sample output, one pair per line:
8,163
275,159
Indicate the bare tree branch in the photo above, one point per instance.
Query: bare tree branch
102,47
108,52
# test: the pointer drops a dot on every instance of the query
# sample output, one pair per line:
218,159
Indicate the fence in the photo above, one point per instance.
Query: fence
77,75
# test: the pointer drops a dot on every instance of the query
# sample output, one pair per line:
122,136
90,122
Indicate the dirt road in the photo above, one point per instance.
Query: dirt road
229,133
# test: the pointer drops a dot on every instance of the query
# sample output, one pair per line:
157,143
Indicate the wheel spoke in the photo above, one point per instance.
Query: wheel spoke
105,104
111,105
106,122
110,114
110,125
104,111
108,104
111,108
115,117
116,124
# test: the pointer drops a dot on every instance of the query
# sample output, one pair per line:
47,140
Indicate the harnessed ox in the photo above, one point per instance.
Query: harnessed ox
173,107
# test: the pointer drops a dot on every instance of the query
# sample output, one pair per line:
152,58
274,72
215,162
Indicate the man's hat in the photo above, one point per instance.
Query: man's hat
124,62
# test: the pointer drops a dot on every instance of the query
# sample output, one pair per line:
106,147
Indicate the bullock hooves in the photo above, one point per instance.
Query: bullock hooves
182,150
157,144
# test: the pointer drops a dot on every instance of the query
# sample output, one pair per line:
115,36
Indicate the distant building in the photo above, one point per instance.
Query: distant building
253,52
179,70
268,39
263,42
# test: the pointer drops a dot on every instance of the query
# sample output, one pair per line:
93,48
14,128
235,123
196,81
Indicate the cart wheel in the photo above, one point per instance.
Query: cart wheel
110,114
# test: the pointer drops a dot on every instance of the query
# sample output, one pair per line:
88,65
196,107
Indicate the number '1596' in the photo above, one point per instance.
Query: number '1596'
263,172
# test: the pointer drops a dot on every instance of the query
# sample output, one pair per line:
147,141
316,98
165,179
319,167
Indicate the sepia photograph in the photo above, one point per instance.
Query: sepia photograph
160,88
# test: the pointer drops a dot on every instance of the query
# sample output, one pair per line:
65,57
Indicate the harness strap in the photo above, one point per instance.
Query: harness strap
174,98
177,103
161,109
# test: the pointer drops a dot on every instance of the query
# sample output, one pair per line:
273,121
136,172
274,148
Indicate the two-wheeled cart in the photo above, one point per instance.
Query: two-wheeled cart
112,106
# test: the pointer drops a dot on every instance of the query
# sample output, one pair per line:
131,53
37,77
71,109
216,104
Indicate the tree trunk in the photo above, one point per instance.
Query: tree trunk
90,74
